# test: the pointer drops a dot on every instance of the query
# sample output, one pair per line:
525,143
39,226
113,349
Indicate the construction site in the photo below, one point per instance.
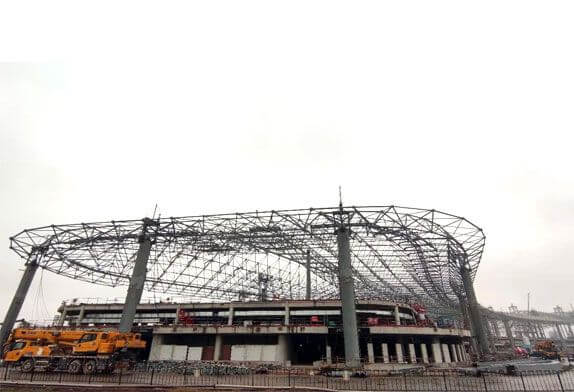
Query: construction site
347,289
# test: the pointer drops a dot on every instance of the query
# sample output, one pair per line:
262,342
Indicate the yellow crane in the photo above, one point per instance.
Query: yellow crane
74,351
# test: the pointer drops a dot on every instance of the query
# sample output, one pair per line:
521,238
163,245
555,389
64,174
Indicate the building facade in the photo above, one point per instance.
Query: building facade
285,332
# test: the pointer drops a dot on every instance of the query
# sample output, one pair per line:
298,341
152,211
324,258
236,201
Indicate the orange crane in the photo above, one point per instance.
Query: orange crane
74,351
546,349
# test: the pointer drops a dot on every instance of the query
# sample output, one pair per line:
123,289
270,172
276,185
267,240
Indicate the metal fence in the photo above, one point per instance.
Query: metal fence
372,380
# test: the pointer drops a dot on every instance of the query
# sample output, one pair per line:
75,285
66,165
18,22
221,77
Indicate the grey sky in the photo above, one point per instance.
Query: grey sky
215,107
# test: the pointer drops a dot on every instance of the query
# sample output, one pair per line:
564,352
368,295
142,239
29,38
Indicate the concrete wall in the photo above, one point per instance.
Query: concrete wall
254,352
429,350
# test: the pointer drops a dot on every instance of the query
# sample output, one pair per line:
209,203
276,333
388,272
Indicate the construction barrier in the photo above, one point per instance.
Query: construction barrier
213,374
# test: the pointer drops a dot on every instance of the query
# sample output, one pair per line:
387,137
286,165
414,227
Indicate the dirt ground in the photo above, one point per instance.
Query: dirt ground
36,388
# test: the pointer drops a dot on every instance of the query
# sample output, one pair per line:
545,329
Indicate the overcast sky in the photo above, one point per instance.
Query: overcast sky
107,108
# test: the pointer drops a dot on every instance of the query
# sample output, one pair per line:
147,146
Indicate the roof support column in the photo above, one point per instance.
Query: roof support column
137,280
464,311
473,307
347,292
62,318
18,300
468,324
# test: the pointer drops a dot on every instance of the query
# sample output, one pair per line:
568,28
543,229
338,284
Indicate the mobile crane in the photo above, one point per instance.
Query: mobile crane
546,349
74,351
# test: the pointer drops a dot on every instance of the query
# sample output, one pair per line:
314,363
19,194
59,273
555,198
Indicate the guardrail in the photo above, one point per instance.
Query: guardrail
219,375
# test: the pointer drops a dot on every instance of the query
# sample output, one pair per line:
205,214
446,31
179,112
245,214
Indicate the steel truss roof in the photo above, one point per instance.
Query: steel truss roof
400,253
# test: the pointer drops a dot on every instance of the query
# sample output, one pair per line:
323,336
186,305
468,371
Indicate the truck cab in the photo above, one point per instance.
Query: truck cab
22,348
94,343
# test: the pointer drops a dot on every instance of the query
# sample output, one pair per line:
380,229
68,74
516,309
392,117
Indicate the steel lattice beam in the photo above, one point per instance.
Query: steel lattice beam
397,252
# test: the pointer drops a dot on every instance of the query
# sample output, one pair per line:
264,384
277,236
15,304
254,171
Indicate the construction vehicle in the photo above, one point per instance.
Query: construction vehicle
520,352
546,349
74,351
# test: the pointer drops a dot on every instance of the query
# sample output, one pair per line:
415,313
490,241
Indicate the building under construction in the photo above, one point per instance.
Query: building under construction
363,284
283,331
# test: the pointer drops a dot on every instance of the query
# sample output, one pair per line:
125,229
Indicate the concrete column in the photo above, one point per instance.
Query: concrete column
230,317
436,351
176,320
18,300
566,331
308,273
424,353
474,309
399,350
459,353
445,353
155,349
519,333
217,348
328,355
346,286
412,353
464,312
541,330
287,315
370,352
509,334
282,349
560,334
530,333
397,315
137,280
488,328
495,328
385,350
453,353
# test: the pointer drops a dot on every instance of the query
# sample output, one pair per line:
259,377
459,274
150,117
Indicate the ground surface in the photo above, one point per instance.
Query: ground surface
35,388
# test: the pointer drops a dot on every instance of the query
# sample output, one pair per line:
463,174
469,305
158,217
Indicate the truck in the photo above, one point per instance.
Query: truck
546,349
73,351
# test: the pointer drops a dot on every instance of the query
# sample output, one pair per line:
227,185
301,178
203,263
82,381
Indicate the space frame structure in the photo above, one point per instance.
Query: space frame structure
405,254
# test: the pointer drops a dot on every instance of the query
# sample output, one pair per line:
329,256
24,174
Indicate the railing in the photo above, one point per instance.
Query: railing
533,315
217,374
119,301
